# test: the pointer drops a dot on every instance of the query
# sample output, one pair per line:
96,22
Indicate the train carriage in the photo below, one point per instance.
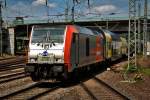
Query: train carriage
115,46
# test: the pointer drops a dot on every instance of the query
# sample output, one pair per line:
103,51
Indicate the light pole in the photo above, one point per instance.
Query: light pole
47,10
145,30
72,11
107,23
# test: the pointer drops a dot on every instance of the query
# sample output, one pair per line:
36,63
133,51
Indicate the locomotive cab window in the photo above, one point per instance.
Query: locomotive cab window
87,47
46,34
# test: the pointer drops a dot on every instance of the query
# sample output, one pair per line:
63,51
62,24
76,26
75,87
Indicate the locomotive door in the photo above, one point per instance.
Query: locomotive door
76,48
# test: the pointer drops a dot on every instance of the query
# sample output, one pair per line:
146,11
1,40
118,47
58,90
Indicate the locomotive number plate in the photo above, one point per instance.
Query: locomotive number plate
46,59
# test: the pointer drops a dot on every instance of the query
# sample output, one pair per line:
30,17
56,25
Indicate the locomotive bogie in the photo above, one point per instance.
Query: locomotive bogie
44,71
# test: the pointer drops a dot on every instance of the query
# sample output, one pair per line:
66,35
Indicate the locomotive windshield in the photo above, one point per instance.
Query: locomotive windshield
47,34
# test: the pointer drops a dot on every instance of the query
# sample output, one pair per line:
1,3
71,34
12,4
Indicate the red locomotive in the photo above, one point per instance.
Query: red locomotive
56,51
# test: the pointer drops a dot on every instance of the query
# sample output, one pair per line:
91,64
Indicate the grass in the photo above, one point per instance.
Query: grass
130,69
140,69
137,72
145,71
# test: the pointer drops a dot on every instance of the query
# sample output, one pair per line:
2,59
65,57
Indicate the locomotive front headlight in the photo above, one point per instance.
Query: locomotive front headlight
58,60
32,60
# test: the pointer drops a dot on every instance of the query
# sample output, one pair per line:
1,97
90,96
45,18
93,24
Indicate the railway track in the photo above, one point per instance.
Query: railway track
34,90
11,63
4,59
12,59
30,92
111,88
101,90
11,72
88,91
31,85
43,93
11,67
11,77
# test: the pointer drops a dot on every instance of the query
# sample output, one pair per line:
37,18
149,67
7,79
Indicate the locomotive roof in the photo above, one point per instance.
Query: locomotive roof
84,30
47,26
80,29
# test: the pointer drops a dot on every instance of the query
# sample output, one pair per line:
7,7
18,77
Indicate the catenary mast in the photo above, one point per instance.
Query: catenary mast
132,38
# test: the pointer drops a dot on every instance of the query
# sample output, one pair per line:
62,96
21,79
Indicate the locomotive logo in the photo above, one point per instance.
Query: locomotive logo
45,53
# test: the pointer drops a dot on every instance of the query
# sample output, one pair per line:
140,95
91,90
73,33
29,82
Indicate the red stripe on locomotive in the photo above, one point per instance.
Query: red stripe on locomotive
99,48
67,46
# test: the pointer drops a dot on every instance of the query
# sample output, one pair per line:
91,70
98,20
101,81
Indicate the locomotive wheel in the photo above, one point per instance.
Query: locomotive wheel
44,72
35,75
65,76
108,63
75,75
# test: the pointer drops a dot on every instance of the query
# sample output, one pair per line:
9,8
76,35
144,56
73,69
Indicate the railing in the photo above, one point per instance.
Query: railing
103,18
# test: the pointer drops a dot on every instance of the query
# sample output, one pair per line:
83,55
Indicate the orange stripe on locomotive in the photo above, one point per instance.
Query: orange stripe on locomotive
99,48
70,29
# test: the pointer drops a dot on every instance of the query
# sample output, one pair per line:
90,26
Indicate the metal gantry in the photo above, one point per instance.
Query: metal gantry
132,35
139,47
2,4
66,10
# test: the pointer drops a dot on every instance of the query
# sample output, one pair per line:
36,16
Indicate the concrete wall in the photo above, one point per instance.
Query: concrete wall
148,48
11,42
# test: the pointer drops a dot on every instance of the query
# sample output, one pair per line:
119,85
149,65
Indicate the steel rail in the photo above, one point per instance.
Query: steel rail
13,78
88,91
11,75
28,87
43,93
3,59
12,59
11,63
12,67
111,88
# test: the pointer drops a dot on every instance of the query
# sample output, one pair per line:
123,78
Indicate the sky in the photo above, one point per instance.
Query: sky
36,9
